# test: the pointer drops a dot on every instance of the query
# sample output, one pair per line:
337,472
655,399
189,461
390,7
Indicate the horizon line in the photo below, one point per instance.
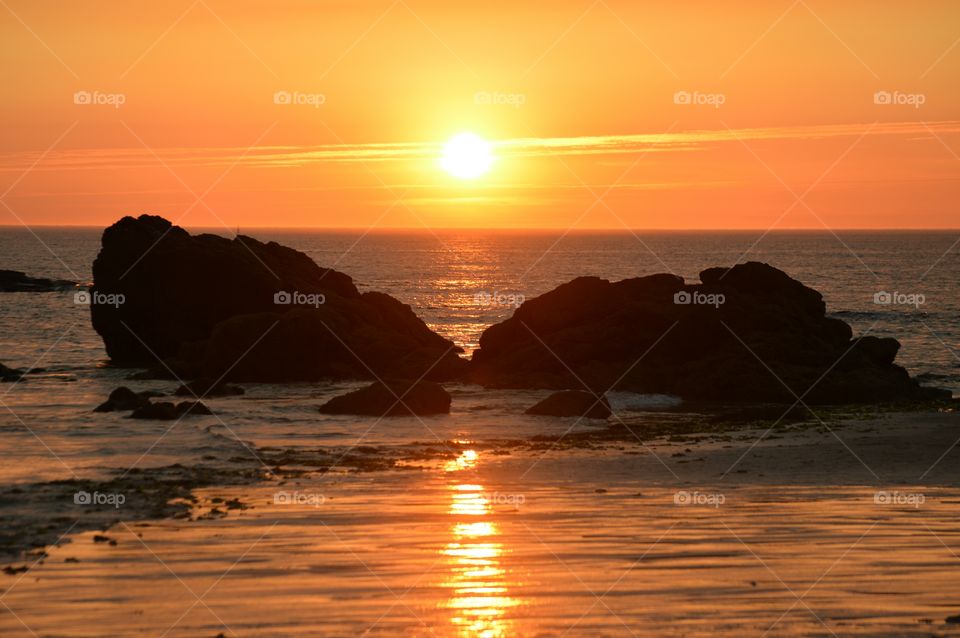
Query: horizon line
517,228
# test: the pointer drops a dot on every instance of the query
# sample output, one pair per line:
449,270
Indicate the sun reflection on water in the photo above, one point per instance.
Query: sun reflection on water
480,598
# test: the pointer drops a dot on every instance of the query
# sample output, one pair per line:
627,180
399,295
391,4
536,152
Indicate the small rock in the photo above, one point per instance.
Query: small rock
161,411
123,398
9,374
395,398
167,411
192,407
208,388
573,403
16,281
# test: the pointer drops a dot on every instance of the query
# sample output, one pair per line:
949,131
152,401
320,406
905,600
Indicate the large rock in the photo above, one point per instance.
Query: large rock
16,281
208,306
749,333
573,403
392,398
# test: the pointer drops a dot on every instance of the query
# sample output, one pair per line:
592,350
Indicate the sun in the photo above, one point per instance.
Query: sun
467,156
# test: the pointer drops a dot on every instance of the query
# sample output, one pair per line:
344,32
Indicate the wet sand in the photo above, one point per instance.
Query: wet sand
848,529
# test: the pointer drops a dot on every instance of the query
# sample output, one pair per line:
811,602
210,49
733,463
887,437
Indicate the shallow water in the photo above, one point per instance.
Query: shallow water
441,275
458,552
492,544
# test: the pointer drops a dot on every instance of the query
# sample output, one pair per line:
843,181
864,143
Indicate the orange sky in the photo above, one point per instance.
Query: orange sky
579,98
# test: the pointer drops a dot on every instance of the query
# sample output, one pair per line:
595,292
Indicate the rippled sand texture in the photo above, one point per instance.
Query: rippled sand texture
455,553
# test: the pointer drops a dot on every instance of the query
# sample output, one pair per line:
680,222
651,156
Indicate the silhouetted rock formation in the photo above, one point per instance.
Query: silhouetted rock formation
392,398
573,403
16,281
744,334
123,398
210,306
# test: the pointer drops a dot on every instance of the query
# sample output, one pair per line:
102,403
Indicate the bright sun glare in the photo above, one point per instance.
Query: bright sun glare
466,156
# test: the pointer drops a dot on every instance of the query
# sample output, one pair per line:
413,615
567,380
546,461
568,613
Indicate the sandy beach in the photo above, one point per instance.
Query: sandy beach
700,535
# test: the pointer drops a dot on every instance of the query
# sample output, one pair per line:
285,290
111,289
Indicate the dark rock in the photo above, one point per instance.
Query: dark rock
208,388
192,407
879,350
573,403
153,374
16,281
161,411
123,398
167,411
392,398
10,374
206,305
745,334
953,620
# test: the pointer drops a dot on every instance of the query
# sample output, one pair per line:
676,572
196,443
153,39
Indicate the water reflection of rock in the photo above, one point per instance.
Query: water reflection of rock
480,598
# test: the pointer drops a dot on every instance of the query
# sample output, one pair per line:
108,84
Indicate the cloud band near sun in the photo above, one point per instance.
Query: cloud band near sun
286,156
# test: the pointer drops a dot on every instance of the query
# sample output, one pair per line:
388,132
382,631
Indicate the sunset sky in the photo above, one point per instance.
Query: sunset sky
601,114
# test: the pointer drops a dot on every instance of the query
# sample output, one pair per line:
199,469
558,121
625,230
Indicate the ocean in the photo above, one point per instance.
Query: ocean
459,282
673,535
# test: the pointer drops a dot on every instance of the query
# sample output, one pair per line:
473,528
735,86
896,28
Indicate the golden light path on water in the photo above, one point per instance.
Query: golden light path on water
480,598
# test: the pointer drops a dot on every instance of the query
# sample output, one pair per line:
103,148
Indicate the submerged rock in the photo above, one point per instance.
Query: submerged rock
16,281
167,411
208,388
208,306
392,398
573,403
123,398
749,333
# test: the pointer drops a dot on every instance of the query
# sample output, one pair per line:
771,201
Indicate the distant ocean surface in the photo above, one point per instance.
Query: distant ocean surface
459,282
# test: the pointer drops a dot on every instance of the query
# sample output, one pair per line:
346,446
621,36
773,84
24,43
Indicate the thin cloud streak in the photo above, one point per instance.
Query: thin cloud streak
291,156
